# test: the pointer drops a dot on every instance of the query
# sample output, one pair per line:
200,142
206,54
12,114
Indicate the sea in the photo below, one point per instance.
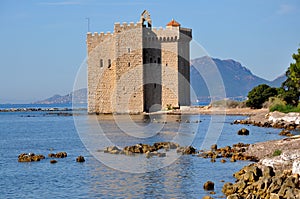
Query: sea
105,175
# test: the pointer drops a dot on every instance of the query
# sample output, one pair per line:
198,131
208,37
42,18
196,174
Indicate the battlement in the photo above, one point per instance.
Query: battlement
98,37
167,34
125,26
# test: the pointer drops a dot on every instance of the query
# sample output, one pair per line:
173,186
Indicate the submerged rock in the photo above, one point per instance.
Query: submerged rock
186,150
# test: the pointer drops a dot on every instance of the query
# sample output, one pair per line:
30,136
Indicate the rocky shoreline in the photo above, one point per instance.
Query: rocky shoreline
288,121
261,179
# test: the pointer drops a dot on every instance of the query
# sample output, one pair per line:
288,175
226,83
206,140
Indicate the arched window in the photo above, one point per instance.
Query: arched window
145,17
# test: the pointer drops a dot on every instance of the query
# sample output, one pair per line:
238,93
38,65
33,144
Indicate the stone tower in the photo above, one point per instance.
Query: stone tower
138,68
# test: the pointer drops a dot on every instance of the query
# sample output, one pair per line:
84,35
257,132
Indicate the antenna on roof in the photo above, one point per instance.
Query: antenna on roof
88,23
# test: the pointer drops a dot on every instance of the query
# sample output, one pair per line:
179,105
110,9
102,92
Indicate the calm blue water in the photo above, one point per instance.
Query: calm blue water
41,133
43,106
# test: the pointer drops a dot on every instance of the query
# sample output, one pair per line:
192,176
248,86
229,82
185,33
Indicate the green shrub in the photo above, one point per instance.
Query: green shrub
284,108
277,152
260,94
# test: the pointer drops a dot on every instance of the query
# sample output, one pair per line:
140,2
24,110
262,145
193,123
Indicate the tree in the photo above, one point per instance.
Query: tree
292,83
259,94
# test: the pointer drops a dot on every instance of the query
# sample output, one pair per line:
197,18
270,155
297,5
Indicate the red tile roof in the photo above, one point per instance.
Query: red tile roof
173,23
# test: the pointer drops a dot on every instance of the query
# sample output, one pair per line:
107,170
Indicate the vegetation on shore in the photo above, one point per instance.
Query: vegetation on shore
284,99
229,104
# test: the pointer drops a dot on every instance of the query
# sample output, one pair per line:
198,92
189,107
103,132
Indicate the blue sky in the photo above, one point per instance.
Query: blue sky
43,41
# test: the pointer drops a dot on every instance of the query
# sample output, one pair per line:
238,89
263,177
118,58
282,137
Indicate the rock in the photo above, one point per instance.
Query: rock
228,188
53,161
223,160
296,166
58,155
148,154
61,155
186,150
209,185
274,196
268,171
207,197
243,131
30,157
161,155
214,147
286,133
252,183
80,159
233,196
240,145
112,150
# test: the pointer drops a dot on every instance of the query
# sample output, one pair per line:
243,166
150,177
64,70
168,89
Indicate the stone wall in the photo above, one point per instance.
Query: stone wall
101,75
129,73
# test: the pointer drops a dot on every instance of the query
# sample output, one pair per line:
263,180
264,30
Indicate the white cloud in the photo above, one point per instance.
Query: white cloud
286,9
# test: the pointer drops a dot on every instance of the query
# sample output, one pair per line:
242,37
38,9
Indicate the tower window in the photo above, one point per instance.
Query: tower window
128,64
158,60
109,63
154,85
166,64
101,62
128,50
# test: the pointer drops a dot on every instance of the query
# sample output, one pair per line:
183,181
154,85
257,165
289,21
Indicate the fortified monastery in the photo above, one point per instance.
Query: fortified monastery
138,68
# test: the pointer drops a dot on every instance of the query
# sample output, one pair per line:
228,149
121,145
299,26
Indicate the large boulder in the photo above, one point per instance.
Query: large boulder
209,185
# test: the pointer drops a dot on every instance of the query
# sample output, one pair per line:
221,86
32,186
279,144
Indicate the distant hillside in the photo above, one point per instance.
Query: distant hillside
278,81
80,96
238,80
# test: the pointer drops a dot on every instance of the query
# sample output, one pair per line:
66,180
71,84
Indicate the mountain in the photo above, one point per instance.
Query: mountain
80,96
278,81
237,79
